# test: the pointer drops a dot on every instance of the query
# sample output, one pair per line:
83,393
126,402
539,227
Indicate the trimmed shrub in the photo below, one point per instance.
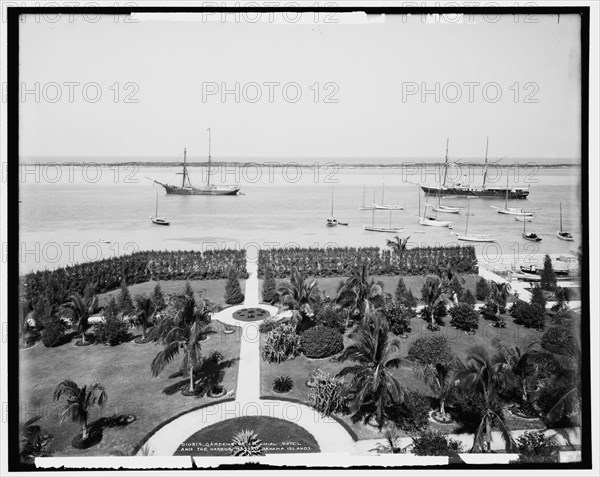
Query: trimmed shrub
321,341
559,340
125,302
112,330
53,333
468,298
269,289
233,291
482,289
435,443
283,384
281,344
430,350
528,315
404,296
464,317
327,394
412,415
332,316
398,317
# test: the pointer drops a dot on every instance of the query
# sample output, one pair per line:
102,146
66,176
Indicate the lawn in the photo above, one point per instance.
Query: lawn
124,371
277,435
301,367
213,290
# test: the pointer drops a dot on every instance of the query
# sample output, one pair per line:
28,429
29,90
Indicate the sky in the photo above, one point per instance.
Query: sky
308,89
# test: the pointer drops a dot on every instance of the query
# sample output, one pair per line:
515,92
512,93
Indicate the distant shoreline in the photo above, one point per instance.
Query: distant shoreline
303,166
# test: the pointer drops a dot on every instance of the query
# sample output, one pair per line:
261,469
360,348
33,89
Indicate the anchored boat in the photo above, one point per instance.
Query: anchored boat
562,234
186,187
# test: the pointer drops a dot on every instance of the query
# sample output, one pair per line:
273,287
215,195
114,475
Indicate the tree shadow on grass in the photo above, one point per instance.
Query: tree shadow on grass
207,376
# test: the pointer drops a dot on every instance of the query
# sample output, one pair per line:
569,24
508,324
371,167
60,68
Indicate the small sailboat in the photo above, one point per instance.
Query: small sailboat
159,220
390,229
331,220
383,205
511,210
561,234
431,221
472,238
364,206
530,235
523,218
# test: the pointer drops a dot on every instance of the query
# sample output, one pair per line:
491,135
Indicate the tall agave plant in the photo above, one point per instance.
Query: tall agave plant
247,443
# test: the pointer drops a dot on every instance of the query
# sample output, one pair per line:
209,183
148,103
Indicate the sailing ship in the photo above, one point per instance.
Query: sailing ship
186,187
469,192
472,238
390,229
511,210
530,235
383,205
561,234
156,219
364,206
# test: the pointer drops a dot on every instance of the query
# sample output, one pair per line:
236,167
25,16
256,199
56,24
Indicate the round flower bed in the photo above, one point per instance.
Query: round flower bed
251,314
228,330
436,416
185,390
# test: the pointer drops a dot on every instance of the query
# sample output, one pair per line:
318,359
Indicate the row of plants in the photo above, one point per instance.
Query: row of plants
55,285
328,262
52,322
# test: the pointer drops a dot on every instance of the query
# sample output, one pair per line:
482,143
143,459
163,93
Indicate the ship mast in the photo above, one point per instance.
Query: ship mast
446,164
185,175
208,176
486,161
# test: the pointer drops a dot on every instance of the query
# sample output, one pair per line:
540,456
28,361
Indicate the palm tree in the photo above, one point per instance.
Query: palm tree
145,310
434,294
182,331
81,308
373,383
300,293
398,245
486,375
79,401
441,379
523,363
360,294
246,443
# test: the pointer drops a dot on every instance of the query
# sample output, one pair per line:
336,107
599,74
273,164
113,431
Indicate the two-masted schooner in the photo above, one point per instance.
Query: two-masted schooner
186,187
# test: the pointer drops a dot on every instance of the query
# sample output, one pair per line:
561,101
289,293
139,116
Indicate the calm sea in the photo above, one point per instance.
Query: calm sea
67,212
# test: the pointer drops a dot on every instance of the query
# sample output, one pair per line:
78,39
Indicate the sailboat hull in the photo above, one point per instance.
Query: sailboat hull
388,207
474,238
562,236
512,211
392,230
212,190
435,223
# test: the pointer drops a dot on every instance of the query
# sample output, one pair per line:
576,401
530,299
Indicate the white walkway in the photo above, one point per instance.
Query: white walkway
331,436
